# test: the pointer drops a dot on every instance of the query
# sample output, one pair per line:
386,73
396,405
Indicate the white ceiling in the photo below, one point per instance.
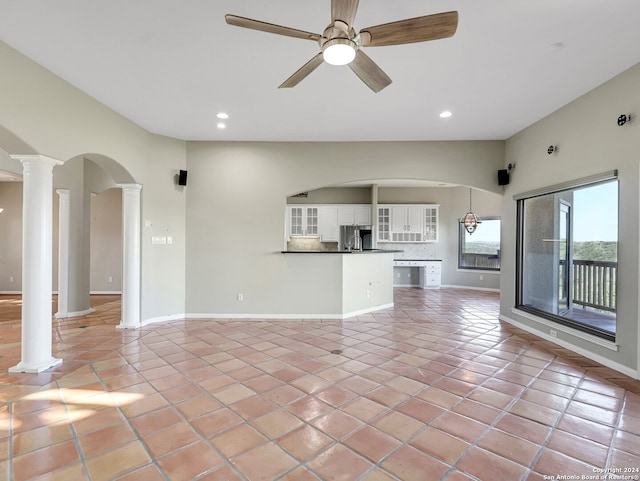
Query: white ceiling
171,65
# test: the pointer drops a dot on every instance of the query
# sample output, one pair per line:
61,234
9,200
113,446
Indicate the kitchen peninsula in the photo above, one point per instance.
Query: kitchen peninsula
343,284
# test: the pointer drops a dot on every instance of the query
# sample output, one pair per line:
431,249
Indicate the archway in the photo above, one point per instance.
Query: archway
452,201
78,180
75,179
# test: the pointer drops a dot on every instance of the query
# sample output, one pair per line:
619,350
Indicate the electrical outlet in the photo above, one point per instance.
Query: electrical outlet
481,277
10,278
109,279
240,297
368,293
553,333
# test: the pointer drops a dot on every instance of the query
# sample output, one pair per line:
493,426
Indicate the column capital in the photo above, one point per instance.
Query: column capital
37,159
63,193
130,187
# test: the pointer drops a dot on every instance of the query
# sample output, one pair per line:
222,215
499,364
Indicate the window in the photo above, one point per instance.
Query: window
568,254
480,250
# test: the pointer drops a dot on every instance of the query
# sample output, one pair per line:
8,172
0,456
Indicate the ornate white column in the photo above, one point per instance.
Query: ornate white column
37,263
130,256
64,210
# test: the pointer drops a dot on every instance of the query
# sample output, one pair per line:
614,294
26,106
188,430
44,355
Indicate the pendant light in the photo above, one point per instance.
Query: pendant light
470,221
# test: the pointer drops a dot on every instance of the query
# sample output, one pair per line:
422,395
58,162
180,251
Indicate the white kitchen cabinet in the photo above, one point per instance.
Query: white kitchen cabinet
303,220
407,223
432,275
431,223
363,214
328,223
354,215
384,223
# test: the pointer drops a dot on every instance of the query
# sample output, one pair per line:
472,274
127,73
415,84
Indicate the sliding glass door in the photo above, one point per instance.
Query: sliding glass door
568,254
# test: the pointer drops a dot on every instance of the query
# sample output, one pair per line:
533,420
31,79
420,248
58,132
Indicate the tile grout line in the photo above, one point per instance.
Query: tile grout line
545,443
616,429
406,443
504,412
204,438
74,434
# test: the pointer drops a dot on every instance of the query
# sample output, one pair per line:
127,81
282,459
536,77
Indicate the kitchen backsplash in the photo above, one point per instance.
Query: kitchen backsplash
411,251
310,244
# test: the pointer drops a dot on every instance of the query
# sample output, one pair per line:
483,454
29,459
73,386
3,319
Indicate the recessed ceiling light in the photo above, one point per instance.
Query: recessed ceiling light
222,115
446,114
221,125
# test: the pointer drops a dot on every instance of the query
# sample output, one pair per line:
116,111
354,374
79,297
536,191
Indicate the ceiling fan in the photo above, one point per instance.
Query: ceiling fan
340,44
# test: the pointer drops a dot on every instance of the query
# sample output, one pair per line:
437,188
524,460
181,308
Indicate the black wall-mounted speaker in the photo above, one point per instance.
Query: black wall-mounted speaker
182,177
503,177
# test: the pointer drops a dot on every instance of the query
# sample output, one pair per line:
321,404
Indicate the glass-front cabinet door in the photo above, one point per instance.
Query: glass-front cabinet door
303,221
431,223
312,221
295,221
384,223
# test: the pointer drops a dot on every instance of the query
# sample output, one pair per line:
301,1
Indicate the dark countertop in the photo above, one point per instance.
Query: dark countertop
364,251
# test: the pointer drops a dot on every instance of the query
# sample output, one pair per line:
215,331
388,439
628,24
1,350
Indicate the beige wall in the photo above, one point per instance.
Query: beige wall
335,195
42,113
11,236
228,223
236,207
589,142
106,241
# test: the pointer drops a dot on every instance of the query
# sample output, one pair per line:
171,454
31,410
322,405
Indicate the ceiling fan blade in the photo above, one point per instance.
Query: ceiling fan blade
411,30
369,72
269,27
344,10
303,72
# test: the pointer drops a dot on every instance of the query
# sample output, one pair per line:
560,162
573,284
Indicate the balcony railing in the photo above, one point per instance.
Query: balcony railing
479,261
595,284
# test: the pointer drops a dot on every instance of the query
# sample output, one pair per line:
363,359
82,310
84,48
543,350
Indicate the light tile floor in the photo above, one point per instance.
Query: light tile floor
435,388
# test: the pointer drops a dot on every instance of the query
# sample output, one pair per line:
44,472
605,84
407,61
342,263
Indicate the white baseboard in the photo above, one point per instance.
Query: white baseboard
64,315
486,289
260,317
55,293
572,347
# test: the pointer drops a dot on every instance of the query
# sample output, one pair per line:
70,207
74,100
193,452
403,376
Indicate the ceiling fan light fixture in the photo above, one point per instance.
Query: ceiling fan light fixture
339,51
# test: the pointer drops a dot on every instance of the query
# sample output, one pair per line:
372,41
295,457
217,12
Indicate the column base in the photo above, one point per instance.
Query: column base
64,315
123,326
25,367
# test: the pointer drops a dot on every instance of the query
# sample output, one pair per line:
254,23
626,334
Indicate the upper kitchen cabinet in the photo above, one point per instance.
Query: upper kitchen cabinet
354,214
302,220
313,221
431,223
328,223
408,223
